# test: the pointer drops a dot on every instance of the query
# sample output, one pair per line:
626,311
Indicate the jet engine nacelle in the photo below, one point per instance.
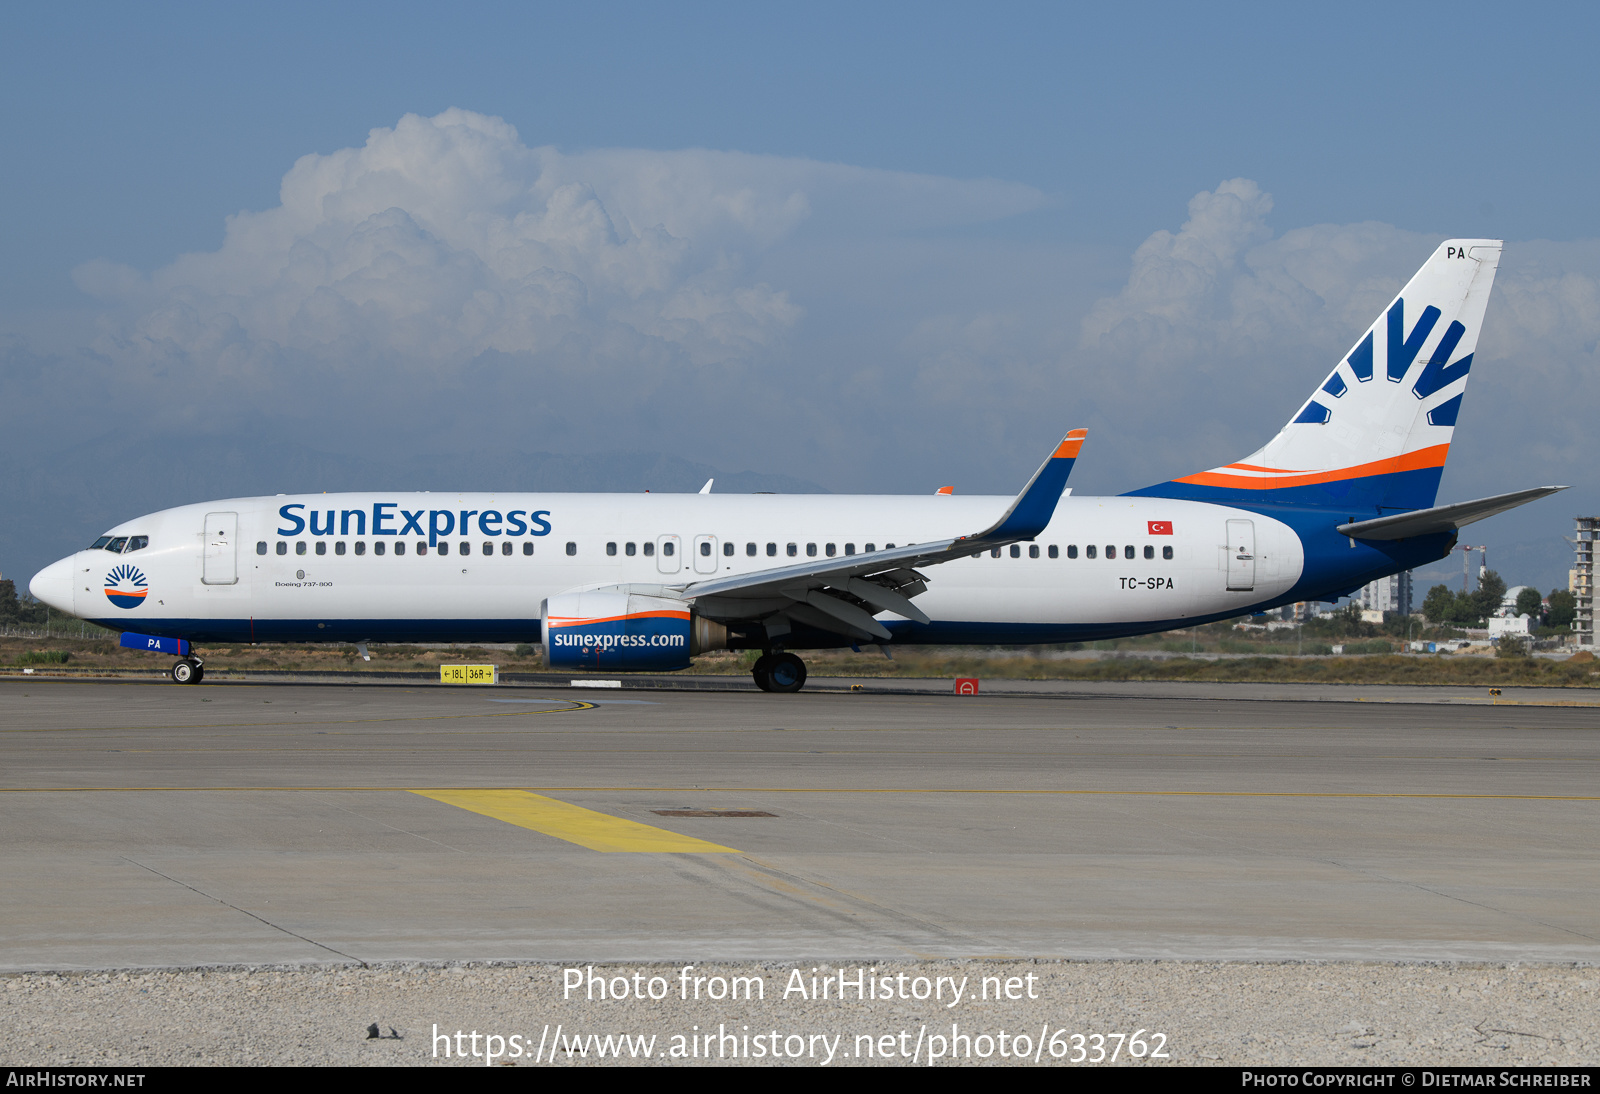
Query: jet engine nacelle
613,629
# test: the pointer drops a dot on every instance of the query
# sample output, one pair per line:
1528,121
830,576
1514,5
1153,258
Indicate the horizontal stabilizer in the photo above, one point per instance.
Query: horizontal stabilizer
1443,518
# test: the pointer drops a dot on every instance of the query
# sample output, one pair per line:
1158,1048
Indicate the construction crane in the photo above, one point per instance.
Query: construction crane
1466,555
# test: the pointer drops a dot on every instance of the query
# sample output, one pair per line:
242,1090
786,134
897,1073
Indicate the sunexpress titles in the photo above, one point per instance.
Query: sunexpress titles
389,519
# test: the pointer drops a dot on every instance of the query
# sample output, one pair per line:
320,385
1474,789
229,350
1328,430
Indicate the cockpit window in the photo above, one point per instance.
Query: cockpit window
99,543
116,545
136,543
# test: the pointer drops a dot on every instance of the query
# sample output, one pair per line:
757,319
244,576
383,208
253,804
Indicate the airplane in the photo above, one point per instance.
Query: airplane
1342,495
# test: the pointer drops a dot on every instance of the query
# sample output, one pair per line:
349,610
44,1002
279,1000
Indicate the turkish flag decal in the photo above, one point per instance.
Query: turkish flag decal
1160,527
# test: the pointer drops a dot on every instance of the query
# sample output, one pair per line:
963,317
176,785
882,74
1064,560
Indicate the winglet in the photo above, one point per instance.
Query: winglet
1031,512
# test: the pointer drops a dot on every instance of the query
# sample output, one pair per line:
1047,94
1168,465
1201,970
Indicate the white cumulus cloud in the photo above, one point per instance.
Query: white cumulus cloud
444,238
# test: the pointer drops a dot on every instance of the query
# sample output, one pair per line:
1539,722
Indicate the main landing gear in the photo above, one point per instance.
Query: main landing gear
188,671
779,672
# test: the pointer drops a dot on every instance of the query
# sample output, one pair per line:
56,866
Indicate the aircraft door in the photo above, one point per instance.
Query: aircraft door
1240,555
705,554
220,562
668,558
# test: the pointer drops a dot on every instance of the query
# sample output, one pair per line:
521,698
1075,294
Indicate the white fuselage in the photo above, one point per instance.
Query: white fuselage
309,567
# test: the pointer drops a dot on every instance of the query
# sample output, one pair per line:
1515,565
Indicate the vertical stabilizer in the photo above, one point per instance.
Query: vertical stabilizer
1375,433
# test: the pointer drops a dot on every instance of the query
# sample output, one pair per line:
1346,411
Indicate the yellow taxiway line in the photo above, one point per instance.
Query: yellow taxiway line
573,823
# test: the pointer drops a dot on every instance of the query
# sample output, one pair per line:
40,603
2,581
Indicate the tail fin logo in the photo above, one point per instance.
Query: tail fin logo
1437,373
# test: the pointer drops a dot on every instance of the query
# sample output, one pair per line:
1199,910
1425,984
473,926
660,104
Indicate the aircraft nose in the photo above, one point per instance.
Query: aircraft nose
53,585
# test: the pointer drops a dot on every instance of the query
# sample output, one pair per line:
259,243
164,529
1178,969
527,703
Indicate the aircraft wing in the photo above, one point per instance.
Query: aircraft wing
842,594
1443,518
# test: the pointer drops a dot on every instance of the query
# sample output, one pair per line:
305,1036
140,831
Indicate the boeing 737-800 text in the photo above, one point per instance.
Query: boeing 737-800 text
1342,495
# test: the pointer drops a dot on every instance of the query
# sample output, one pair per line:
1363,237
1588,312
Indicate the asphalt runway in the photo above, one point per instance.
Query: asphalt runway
150,825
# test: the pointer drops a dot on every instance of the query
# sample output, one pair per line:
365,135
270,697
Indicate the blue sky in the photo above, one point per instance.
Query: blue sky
971,182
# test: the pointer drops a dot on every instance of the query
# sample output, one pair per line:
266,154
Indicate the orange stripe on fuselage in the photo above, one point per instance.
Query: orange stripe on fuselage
1410,461
1068,449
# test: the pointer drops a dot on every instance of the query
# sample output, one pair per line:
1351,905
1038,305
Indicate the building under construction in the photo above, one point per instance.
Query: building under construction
1580,580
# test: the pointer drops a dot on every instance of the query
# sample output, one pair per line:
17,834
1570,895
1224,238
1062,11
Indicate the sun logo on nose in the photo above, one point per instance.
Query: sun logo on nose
125,586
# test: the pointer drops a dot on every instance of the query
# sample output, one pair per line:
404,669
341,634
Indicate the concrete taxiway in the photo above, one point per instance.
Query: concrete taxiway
145,824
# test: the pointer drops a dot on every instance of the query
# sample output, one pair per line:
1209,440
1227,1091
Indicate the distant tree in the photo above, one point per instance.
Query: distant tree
1486,600
10,608
1530,603
1563,609
1440,606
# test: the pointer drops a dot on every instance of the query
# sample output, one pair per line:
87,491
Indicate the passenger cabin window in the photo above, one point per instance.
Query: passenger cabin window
1128,552
792,549
995,553
1055,552
750,550
772,550
1089,551
849,549
1111,550
1149,551
1016,550
811,550
572,548
361,546
300,547
283,548
667,548
727,550
444,548
1033,550
422,548
611,549
649,549
322,546
338,548
1166,552
527,548
629,549
261,547
505,548
466,548
488,548
831,550
705,550
377,547
870,548
399,546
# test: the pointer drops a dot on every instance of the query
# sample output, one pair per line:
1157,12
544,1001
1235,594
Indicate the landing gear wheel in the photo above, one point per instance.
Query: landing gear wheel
761,671
199,673
186,672
786,673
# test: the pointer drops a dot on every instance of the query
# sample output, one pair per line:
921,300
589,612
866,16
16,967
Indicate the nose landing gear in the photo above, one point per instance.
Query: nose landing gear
783,672
188,671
